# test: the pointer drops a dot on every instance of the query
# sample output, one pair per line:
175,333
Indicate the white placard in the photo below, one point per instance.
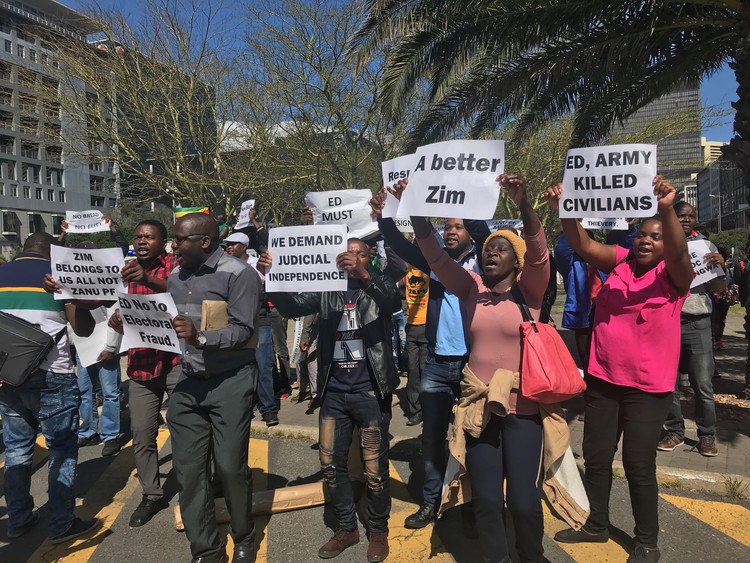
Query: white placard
395,170
343,207
703,272
611,224
90,347
87,274
147,322
608,182
86,221
296,352
404,225
454,179
304,258
244,220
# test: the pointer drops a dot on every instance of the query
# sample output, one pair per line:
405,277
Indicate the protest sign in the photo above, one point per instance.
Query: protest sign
147,322
87,274
612,224
395,170
403,225
703,272
296,352
304,258
609,182
88,354
454,179
85,221
343,207
496,224
244,219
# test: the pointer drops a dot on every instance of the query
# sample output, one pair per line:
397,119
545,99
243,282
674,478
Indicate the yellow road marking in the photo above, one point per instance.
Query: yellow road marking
105,501
730,519
257,459
407,546
610,552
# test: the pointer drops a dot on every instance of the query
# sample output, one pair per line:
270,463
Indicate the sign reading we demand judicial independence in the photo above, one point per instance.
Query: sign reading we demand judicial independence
304,258
609,182
454,179
87,274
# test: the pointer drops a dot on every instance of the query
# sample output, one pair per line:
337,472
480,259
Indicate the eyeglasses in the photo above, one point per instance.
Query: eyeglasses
177,241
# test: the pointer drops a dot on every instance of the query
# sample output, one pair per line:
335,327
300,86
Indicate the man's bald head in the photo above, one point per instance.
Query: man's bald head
200,223
196,237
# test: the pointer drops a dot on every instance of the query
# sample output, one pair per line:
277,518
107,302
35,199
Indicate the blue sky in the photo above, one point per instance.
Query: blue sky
718,90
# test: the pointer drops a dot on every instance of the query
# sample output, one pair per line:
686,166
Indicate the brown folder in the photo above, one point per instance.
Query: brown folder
214,316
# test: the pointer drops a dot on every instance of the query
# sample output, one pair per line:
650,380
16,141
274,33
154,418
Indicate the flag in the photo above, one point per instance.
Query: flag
181,211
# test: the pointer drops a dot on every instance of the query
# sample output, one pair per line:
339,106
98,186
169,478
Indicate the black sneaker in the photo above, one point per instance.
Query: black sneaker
643,554
146,511
414,420
17,533
314,404
92,440
270,418
570,535
421,518
111,447
77,528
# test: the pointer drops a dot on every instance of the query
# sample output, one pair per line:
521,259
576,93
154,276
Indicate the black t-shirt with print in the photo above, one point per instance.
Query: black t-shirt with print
350,371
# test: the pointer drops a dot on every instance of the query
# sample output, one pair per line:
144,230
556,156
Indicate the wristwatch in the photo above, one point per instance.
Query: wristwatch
201,338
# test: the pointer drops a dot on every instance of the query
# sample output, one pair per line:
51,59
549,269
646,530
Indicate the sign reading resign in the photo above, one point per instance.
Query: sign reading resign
395,170
703,271
343,207
619,224
245,208
86,221
87,274
304,258
609,182
147,322
454,179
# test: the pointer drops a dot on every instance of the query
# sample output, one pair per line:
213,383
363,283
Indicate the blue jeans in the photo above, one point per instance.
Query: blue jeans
264,358
48,400
108,375
339,414
438,390
697,358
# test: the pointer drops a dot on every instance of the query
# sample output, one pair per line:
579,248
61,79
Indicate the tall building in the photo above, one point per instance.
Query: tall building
680,155
711,150
722,201
40,178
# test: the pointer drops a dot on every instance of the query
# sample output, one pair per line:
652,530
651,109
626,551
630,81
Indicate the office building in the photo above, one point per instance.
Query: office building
711,150
722,200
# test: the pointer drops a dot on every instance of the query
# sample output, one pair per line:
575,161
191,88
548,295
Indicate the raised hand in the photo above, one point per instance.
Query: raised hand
398,188
377,203
664,192
553,195
515,186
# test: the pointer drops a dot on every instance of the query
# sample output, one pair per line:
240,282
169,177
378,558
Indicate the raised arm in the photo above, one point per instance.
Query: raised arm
407,251
676,256
600,256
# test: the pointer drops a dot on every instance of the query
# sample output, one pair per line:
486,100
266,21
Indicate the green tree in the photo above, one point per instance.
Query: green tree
487,61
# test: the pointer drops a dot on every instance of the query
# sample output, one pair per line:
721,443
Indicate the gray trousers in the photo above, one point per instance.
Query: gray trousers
144,401
205,415
416,356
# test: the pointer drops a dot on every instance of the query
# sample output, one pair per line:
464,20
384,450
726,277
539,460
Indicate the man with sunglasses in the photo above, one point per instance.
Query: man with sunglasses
211,406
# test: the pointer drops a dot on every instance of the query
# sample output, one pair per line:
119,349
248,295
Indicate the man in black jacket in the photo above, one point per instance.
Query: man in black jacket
356,378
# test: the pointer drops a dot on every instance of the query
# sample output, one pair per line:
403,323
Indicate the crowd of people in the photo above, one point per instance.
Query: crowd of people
445,309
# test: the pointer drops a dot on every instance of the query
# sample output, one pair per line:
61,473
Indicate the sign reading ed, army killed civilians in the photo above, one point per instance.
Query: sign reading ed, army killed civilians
87,274
609,182
244,220
703,271
304,258
454,179
394,171
617,224
147,322
343,207
86,221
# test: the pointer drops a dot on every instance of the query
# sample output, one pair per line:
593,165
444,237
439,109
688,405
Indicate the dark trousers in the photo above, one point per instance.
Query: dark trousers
144,402
279,330
206,414
416,356
510,447
339,414
613,411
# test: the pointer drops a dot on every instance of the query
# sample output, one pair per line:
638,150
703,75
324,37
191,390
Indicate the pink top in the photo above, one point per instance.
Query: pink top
494,319
636,335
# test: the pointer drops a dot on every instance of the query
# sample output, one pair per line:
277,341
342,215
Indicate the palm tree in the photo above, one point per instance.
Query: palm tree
485,62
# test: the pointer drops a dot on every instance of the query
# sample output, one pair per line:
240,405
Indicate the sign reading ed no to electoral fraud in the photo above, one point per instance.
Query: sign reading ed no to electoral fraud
454,179
609,182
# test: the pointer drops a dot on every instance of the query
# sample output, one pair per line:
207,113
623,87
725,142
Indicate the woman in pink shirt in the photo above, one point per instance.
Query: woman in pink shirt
510,443
632,367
